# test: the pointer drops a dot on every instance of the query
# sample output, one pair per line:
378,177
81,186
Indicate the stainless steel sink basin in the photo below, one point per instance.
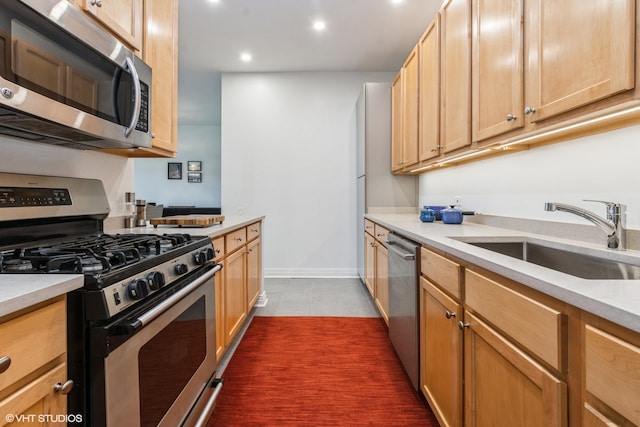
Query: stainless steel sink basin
571,260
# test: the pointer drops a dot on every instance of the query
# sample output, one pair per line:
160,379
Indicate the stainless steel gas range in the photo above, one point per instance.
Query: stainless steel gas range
141,332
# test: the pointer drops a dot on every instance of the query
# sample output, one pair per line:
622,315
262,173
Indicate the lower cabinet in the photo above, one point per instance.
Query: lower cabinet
238,285
376,267
611,376
441,353
33,369
510,347
505,387
234,294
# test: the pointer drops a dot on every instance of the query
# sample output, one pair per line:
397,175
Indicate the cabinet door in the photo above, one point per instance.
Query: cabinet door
579,51
430,92
441,354
161,53
455,75
370,263
396,123
221,336
253,272
504,387
410,116
235,300
382,281
612,373
122,17
497,80
37,399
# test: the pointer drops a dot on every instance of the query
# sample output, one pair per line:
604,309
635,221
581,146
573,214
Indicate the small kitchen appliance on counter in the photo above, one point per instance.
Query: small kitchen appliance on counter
144,296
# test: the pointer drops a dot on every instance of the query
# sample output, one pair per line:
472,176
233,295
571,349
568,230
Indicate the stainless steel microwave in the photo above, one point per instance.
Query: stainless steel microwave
64,80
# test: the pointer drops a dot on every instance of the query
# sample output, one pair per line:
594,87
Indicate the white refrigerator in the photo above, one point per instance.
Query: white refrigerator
377,187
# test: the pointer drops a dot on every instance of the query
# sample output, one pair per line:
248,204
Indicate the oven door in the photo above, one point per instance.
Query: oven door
165,361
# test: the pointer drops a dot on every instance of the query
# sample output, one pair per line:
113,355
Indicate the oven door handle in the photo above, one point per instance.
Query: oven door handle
156,311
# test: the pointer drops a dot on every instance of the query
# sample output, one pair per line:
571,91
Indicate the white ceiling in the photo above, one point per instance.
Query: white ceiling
361,35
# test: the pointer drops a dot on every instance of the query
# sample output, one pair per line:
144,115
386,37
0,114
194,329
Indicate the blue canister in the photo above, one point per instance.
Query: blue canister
427,215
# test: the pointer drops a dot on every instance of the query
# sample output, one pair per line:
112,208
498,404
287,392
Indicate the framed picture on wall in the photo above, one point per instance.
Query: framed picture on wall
194,177
174,171
194,166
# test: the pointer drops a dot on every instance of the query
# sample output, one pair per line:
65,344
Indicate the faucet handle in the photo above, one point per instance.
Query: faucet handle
613,209
602,201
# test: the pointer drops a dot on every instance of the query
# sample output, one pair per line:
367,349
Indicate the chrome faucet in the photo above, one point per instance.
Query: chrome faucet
614,225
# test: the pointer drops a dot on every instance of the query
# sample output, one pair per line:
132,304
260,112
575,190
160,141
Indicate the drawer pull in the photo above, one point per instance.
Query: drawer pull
463,325
63,388
5,362
449,314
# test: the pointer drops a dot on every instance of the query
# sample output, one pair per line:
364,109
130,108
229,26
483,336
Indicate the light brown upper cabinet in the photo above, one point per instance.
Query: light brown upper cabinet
121,17
497,76
535,64
404,140
455,76
429,123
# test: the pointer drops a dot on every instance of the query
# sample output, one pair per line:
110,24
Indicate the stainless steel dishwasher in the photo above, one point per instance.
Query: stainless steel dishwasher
403,302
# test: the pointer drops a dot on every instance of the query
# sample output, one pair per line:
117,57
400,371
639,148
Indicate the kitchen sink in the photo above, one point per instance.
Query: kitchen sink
565,258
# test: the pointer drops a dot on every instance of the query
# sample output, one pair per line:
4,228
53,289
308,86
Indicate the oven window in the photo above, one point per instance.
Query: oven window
169,360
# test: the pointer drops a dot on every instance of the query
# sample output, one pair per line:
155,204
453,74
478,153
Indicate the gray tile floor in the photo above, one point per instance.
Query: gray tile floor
346,297
339,297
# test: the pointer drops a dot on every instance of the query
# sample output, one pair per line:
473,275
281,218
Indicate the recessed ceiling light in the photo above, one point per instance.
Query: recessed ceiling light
397,1
319,25
245,57
214,1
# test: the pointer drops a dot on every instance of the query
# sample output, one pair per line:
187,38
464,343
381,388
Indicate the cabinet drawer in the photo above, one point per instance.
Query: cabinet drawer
33,340
218,248
381,233
369,227
253,231
441,271
235,239
612,371
538,328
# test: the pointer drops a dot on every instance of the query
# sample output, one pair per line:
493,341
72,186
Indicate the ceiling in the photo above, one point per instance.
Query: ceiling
360,35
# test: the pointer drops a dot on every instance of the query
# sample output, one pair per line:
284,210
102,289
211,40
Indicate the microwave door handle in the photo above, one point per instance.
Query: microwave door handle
128,63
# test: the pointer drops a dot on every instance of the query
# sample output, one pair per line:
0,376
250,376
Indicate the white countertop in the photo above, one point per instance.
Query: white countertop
230,223
615,300
18,291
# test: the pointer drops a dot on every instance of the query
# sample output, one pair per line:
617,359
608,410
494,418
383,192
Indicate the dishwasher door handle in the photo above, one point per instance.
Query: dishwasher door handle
406,256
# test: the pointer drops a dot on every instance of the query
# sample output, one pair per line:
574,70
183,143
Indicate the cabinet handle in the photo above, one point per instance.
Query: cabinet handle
96,3
5,362
238,239
63,388
511,117
463,325
449,314
529,110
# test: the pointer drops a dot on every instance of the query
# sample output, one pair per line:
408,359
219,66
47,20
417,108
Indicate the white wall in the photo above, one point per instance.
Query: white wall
115,172
601,167
200,143
288,152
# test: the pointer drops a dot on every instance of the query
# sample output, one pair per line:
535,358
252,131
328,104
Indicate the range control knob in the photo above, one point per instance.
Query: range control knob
156,280
138,289
209,253
199,257
181,268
